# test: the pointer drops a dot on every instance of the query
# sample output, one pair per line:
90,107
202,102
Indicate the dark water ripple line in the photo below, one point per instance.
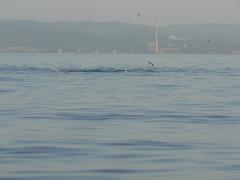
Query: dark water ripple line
215,119
126,156
130,171
150,144
162,117
77,174
6,91
43,150
229,168
61,177
103,170
7,112
9,79
183,70
166,160
102,117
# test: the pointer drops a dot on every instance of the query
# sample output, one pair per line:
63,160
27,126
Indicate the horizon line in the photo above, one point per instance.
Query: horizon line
122,22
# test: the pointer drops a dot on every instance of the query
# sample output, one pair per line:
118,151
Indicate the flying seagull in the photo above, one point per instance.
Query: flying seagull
152,64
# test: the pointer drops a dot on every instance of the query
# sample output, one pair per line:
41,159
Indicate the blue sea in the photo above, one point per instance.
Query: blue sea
114,117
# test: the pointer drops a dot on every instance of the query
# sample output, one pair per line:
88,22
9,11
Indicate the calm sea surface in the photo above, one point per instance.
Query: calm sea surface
114,117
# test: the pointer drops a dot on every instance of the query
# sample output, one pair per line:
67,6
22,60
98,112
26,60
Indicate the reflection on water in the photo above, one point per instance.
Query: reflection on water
114,117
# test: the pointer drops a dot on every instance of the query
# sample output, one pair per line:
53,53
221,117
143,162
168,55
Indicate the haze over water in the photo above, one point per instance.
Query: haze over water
112,116
168,11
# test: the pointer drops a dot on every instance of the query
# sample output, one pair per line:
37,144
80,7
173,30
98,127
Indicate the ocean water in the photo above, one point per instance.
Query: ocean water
114,117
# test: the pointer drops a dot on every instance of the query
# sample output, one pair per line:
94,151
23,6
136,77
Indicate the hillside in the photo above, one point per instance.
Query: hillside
90,36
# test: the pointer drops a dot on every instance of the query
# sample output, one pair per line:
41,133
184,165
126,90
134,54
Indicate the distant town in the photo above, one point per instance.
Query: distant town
116,37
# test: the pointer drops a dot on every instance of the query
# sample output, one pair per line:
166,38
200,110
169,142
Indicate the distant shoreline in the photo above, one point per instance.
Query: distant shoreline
117,37
65,53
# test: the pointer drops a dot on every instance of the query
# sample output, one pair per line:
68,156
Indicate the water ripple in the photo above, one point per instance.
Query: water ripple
148,144
172,117
184,70
130,171
32,151
62,177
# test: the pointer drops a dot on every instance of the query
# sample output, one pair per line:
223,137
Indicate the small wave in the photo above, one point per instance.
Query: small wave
58,177
12,69
33,151
9,79
130,171
5,91
173,70
229,168
145,144
21,69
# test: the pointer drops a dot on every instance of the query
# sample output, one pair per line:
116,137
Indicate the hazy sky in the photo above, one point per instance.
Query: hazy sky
168,11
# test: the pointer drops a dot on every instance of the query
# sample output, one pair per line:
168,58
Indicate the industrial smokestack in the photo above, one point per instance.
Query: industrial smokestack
156,49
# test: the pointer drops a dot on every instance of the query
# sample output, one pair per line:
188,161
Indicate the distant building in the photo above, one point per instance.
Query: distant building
21,49
173,37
